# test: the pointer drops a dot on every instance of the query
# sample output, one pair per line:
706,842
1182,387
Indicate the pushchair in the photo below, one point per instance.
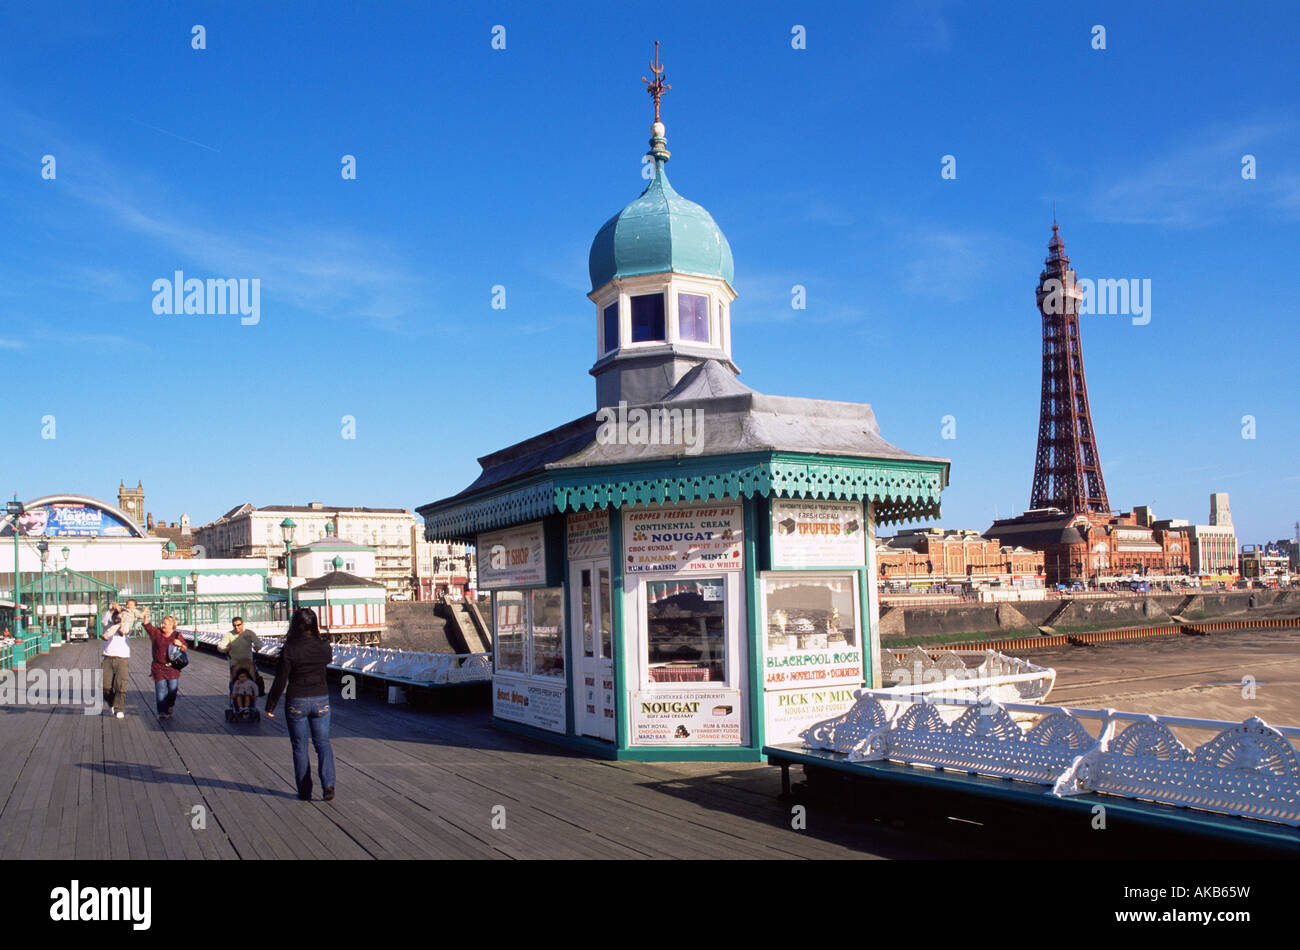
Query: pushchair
250,714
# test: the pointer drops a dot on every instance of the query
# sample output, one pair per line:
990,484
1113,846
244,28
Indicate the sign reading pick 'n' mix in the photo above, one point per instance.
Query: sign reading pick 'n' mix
818,533
666,540
512,558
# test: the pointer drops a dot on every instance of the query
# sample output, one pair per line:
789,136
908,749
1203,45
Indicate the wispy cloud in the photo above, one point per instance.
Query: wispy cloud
1199,183
954,265
10,344
330,272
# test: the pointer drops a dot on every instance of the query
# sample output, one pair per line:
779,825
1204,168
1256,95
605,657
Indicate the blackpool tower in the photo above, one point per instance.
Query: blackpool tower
1067,469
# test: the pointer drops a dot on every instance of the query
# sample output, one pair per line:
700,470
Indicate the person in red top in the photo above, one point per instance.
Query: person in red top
166,678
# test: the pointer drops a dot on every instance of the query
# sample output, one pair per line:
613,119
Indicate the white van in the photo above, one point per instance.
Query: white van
79,627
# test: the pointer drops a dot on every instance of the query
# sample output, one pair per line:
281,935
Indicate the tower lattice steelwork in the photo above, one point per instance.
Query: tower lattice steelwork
1067,469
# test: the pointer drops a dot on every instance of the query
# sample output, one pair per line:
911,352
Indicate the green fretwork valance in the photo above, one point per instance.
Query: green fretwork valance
902,490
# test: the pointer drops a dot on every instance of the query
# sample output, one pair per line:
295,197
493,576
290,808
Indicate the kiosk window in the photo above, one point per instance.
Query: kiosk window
548,632
686,632
530,631
810,613
510,630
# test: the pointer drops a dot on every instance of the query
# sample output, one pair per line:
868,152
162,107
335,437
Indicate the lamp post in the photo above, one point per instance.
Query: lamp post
14,509
43,549
286,531
194,598
67,553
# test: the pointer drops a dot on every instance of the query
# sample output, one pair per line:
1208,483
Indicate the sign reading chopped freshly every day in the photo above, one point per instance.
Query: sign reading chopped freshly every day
816,533
686,717
683,539
511,558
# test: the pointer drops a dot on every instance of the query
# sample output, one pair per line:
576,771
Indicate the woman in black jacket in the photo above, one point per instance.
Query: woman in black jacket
307,699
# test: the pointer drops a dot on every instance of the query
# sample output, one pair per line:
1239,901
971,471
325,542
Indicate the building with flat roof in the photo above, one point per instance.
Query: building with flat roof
246,531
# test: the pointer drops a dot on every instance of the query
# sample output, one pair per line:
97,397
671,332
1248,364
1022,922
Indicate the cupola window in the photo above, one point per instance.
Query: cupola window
647,318
693,317
611,327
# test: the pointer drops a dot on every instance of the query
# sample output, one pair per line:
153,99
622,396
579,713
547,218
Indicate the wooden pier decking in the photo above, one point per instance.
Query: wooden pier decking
411,783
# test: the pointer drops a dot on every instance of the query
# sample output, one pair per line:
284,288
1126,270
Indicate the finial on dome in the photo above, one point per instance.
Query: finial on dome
657,87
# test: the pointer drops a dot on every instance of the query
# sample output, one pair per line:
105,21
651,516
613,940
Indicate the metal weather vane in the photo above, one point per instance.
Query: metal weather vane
657,87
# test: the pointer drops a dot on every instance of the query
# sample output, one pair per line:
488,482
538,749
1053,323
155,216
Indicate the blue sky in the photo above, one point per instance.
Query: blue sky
479,167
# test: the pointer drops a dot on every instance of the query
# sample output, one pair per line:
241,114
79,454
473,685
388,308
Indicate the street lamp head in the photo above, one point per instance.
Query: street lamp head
14,507
43,548
286,530
66,552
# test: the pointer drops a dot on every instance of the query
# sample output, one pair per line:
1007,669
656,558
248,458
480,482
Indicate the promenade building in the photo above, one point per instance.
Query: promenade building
688,571
924,559
1093,548
249,532
442,569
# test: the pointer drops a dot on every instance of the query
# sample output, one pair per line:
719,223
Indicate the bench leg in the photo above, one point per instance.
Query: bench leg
785,781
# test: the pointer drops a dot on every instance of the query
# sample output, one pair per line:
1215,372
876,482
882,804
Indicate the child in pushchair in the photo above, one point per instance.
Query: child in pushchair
243,696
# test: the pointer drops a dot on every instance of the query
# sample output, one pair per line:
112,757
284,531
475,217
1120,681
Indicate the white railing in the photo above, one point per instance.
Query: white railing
401,666
969,673
1248,768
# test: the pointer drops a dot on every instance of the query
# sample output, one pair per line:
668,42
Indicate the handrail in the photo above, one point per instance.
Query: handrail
1076,711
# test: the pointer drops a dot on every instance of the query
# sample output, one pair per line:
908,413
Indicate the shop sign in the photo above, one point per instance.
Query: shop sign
819,668
686,717
789,713
69,520
529,703
588,534
818,533
512,558
665,540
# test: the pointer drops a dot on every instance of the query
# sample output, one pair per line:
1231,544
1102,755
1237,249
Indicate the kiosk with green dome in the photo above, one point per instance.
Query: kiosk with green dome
687,572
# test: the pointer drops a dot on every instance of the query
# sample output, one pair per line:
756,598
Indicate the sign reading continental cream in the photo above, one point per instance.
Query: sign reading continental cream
818,533
683,539
511,558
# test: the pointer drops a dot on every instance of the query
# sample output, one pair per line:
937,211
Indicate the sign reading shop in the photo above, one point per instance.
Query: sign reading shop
818,533
511,558
666,540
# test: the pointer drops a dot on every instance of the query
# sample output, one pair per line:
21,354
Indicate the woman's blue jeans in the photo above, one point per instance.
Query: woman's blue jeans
164,692
309,716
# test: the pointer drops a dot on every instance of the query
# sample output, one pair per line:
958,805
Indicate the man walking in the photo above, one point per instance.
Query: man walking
117,654
240,643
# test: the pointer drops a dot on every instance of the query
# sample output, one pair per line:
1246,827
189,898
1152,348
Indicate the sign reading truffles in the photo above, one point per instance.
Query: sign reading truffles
683,539
686,717
817,533
511,558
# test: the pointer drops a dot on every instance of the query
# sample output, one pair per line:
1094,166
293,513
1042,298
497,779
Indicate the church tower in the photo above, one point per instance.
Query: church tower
131,502
661,273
